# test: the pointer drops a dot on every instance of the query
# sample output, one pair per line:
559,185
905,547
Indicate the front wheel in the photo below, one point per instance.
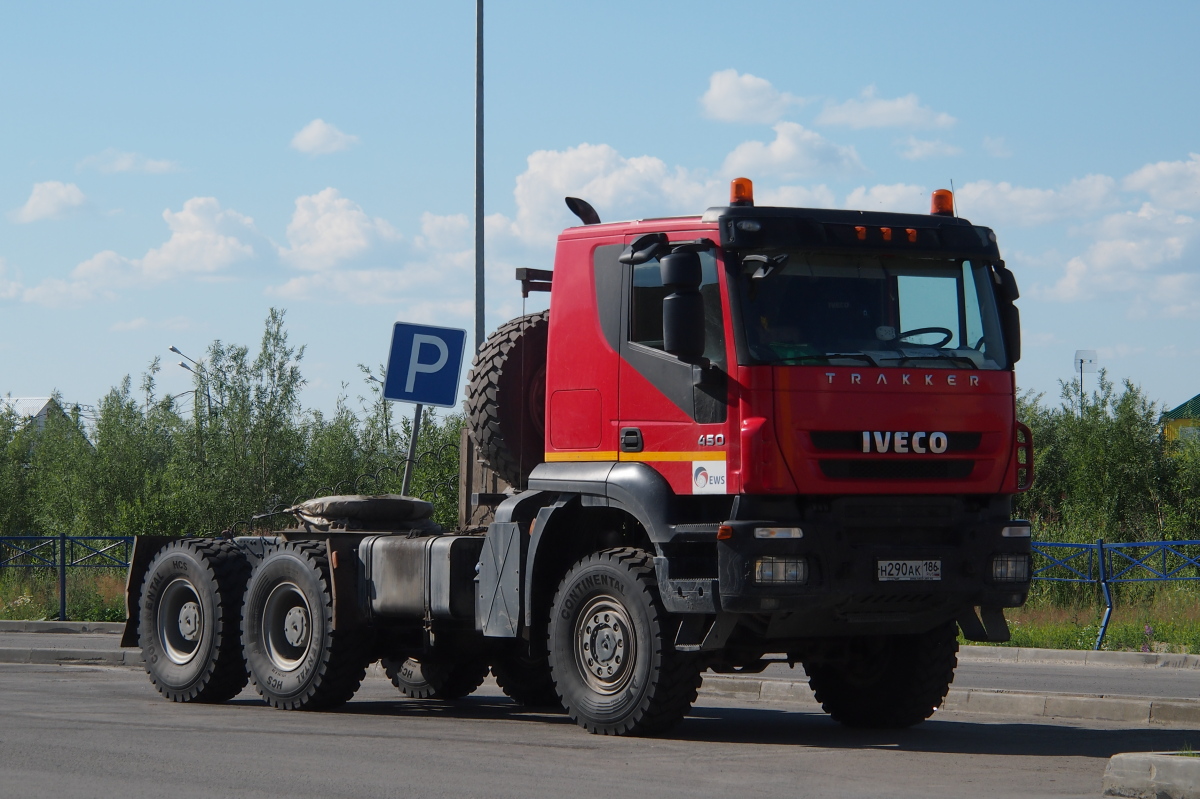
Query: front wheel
888,681
610,648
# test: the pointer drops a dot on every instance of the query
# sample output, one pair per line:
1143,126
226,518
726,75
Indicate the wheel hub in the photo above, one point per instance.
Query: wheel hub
605,645
287,626
189,621
295,626
180,621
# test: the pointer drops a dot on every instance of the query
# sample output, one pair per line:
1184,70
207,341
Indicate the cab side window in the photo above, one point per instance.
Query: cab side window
645,312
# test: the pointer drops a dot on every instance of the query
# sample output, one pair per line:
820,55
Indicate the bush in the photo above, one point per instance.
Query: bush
241,444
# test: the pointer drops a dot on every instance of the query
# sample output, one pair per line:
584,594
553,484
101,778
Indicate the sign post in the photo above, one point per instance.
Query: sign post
1085,361
424,367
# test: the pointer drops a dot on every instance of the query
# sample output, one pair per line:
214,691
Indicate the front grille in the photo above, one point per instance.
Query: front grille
904,510
851,441
894,469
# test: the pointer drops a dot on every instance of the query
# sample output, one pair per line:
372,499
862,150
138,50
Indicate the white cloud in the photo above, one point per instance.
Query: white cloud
1146,256
133,324
204,241
112,160
618,187
996,147
871,111
796,152
1172,184
319,138
49,200
1003,202
745,98
896,197
142,323
327,228
920,149
1119,351
796,197
444,232
10,287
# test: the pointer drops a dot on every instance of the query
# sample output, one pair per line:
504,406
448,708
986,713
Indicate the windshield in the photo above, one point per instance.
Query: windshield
883,311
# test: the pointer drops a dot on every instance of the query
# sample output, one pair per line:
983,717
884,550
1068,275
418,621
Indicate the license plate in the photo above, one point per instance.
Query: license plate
889,570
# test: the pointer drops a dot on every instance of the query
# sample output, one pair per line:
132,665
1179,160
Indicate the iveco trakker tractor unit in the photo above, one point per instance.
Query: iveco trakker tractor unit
753,435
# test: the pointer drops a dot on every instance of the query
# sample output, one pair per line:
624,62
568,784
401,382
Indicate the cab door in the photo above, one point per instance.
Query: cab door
673,414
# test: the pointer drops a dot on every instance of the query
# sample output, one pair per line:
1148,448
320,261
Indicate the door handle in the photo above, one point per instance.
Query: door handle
631,439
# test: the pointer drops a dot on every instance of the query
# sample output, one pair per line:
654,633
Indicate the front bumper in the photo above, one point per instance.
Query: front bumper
843,592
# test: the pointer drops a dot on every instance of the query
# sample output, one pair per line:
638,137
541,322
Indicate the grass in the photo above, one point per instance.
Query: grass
92,594
1146,619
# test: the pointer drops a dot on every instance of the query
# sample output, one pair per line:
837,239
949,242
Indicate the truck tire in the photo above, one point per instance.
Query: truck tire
437,679
524,676
891,681
506,397
189,620
295,658
611,648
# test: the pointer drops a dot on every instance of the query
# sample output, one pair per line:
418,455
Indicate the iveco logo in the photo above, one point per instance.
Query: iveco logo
904,442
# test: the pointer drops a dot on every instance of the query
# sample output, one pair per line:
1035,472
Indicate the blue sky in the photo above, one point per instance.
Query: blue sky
168,173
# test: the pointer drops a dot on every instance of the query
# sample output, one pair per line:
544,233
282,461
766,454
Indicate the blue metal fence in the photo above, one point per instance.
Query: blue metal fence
1099,564
63,552
1106,565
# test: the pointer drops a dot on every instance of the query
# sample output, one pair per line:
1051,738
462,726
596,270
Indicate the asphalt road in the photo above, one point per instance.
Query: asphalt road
88,731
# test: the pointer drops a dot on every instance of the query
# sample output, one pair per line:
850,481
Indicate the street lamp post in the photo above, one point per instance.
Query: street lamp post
479,320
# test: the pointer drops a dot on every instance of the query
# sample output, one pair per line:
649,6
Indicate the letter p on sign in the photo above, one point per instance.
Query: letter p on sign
424,364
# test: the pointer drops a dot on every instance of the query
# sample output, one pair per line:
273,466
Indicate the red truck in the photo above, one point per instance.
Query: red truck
754,434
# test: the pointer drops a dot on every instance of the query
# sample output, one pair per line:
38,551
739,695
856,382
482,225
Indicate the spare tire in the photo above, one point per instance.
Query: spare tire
506,398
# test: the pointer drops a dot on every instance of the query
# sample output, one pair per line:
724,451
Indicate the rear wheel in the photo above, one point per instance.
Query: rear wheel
889,681
611,654
523,673
190,618
296,660
434,678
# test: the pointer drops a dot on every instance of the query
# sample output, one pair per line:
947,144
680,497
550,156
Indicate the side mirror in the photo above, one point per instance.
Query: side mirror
683,307
1007,288
1010,317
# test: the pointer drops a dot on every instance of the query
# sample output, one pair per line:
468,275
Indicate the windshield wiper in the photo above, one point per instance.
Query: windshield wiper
957,359
826,358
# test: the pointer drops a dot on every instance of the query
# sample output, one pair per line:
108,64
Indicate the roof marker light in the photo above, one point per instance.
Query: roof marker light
942,203
887,233
860,232
912,235
741,191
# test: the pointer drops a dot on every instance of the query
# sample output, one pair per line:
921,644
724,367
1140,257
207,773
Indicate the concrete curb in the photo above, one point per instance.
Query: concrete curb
72,657
110,627
1146,710
1153,775
1083,657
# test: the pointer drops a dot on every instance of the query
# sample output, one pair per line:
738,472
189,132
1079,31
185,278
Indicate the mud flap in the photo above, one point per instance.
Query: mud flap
993,629
145,547
498,595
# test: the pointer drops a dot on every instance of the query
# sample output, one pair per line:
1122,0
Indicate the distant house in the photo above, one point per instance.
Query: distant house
32,410
1183,423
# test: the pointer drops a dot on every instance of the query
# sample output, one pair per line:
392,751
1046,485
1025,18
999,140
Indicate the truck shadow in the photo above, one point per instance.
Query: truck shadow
946,733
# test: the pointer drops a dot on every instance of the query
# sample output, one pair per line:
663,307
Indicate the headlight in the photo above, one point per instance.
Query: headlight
1010,568
775,570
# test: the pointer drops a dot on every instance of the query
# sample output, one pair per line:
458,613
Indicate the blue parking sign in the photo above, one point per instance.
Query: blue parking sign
424,364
